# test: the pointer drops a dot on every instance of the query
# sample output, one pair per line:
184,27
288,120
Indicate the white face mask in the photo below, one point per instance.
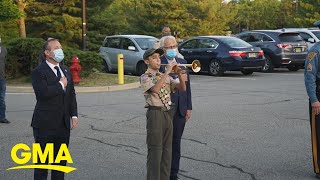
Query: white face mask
58,55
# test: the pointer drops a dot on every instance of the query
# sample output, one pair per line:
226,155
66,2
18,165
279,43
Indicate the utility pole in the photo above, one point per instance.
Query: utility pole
84,25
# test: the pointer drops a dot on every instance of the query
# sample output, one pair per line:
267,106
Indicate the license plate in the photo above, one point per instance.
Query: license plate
251,55
297,50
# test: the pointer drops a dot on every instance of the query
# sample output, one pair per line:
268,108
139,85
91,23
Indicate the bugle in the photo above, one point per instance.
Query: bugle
195,66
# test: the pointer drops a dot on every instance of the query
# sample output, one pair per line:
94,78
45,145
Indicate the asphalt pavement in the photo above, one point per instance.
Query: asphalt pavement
242,128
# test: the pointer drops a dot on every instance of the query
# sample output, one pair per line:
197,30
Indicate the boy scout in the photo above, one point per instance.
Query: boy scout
312,83
157,88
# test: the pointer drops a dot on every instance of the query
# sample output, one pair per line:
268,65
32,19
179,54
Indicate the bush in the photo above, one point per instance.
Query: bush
24,54
89,61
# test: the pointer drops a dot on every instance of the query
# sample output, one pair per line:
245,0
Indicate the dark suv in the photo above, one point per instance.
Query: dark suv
281,49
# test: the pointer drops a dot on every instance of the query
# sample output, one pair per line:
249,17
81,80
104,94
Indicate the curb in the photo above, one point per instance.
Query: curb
29,89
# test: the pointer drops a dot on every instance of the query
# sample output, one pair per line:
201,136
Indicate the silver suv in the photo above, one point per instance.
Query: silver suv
310,35
132,47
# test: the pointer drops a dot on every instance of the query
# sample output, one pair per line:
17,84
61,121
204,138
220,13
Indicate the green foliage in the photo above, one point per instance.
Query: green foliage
8,10
23,55
308,12
89,61
8,30
59,20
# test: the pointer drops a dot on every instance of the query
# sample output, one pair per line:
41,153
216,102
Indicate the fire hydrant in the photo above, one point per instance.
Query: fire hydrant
75,69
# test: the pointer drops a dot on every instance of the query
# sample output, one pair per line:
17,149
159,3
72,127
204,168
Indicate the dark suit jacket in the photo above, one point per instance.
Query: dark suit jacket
182,100
54,107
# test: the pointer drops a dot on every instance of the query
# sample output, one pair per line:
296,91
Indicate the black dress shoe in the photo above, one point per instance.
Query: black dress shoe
5,121
317,176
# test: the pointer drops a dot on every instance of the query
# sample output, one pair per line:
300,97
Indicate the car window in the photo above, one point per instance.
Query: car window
208,43
192,44
235,42
290,37
254,38
126,43
146,43
316,33
113,43
244,37
265,38
305,36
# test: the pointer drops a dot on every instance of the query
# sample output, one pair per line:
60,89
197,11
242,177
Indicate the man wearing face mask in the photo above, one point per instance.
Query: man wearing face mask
182,101
166,31
56,111
3,57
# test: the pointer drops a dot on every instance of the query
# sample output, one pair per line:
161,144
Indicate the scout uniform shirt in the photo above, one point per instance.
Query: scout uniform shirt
312,71
161,99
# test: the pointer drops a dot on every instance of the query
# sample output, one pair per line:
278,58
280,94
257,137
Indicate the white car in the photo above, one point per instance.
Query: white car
310,35
132,47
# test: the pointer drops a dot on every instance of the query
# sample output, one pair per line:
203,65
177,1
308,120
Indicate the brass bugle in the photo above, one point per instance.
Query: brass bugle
195,65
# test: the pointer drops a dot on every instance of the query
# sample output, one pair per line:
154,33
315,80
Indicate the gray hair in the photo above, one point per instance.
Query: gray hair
163,39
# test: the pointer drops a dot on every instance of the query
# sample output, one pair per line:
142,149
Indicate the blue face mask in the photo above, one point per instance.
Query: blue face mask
58,55
171,53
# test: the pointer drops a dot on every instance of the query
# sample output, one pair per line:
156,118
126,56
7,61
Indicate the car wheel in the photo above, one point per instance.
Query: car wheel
215,68
246,72
293,68
141,68
268,67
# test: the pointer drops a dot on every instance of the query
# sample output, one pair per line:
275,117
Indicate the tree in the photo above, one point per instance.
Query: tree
258,14
21,21
58,19
308,12
209,17
8,10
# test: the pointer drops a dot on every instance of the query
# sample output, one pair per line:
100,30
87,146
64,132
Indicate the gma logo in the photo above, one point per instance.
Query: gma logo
47,154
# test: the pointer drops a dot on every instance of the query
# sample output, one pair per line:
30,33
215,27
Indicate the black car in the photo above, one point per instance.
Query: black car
281,49
218,54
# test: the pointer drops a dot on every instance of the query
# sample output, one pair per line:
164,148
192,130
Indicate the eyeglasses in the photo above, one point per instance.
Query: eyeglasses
170,47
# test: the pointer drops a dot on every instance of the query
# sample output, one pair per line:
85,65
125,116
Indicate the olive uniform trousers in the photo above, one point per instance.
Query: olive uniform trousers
159,142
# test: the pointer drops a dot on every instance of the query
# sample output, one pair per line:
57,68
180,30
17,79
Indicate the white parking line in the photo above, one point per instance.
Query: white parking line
253,79
19,93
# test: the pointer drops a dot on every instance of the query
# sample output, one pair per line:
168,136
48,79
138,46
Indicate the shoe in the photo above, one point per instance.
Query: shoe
174,177
317,176
4,121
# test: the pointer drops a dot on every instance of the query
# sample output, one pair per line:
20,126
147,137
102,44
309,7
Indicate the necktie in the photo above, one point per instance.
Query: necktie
58,72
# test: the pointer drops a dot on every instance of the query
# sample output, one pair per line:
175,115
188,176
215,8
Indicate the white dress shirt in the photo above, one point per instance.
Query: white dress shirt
55,72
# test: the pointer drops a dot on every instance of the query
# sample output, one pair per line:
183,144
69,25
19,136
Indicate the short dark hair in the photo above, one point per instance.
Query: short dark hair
46,44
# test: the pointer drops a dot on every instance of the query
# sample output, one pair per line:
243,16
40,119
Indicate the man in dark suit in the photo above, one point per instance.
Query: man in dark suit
56,104
182,101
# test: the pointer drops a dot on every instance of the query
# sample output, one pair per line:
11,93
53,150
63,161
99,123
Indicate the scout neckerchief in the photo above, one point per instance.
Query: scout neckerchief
163,93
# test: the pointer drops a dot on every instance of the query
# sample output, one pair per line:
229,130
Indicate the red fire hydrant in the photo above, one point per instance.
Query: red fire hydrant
75,69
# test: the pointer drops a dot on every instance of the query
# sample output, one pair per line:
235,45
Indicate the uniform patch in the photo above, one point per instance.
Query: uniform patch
311,55
144,77
309,67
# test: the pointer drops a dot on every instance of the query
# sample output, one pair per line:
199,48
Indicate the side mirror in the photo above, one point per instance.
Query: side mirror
311,40
131,48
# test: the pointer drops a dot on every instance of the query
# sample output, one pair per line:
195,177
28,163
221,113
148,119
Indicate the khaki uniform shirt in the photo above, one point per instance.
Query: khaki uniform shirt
161,99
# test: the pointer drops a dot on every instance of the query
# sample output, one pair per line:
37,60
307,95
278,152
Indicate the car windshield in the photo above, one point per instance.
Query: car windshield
235,43
290,37
146,43
316,33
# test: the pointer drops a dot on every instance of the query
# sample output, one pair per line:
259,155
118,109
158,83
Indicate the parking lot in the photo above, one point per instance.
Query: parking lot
242,127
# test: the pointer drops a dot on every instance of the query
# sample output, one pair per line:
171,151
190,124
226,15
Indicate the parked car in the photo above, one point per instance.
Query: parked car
218,54
309,35
132,47
281,49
